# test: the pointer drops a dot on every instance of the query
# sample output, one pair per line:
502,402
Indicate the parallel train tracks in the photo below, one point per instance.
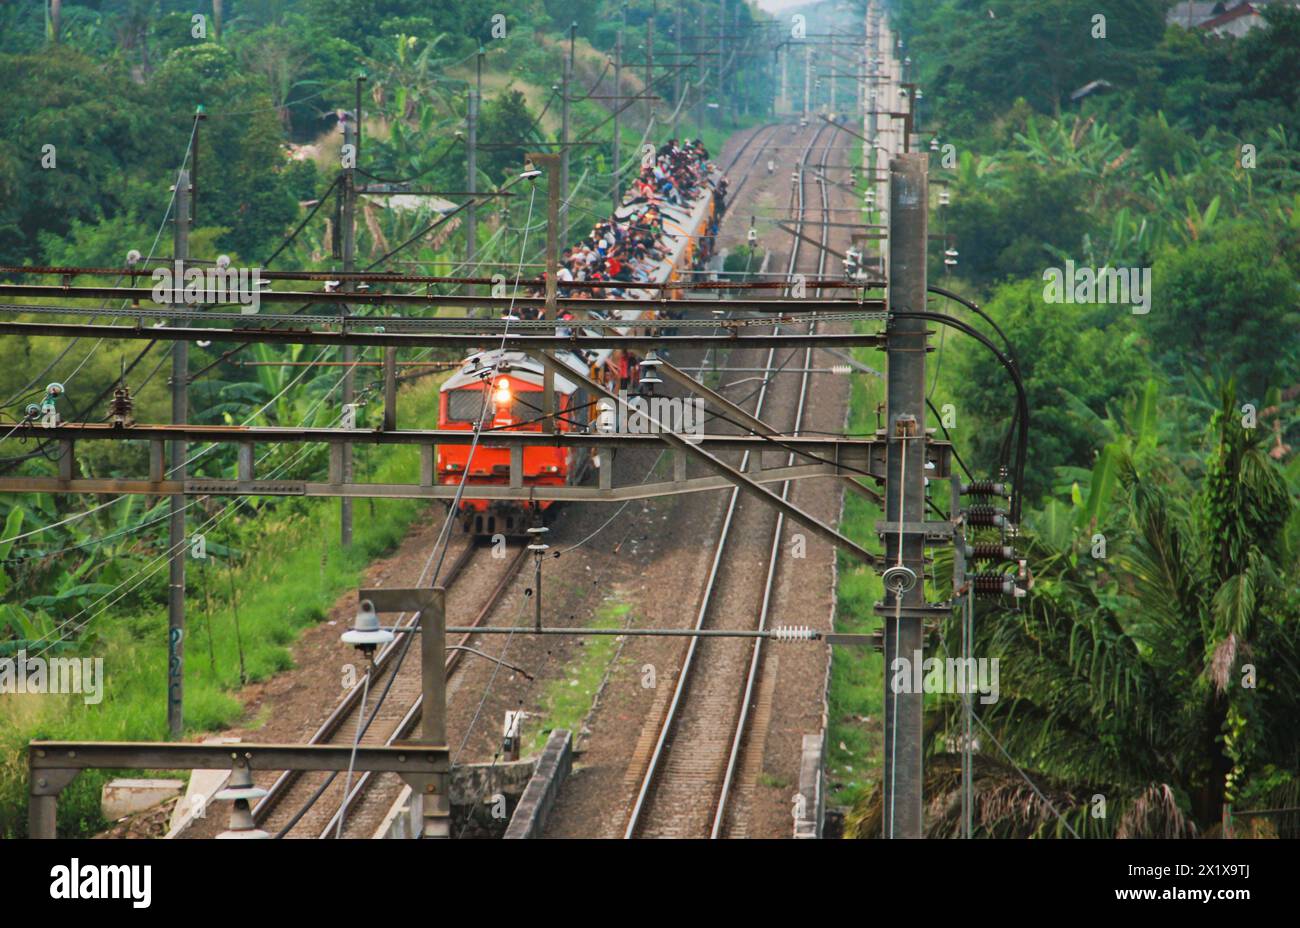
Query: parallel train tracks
695,768
308,805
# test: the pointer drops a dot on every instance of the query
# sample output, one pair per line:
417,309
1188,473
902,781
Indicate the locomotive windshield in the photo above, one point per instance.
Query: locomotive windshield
465,405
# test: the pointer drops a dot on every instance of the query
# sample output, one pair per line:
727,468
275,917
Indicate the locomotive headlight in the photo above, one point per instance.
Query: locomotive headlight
502,394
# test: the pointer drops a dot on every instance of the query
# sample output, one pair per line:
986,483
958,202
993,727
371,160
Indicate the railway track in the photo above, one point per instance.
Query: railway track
304,805
770,130
750,709
692,772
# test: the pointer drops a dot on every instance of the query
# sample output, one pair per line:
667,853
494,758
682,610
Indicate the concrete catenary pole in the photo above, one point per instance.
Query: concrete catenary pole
905,493
176,527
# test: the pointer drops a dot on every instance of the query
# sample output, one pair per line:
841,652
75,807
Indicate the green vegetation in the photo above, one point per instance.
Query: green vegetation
1153,661
268,575
857,674
100,117
570,696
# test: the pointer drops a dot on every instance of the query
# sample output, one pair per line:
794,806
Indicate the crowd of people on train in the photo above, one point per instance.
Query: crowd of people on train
625,249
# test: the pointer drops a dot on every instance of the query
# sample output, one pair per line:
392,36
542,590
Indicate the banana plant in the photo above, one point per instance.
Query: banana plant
404,75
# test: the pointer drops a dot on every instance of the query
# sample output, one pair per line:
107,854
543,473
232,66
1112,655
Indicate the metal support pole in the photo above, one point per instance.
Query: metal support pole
618,92
433,668
42,816
565,83
348,238
550,163
807,76
390,389
537,592
194,163
785,68
433,712
735,28
722,61
905,490
649,61
677,76
176,527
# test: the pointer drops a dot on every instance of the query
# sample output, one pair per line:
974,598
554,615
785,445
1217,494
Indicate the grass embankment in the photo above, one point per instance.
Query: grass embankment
856,701
569,697
292,570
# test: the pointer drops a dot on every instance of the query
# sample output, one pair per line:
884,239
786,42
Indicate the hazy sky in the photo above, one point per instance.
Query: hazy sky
775,6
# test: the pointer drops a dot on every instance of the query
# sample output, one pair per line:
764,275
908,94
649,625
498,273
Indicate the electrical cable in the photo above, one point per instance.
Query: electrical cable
1021,395
153,247
441,544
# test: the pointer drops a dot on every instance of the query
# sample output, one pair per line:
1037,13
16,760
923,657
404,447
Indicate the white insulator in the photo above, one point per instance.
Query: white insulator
841,369
794,633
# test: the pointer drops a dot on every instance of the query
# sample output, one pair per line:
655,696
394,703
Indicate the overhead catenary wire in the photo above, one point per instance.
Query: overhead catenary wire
439,552
1021,396
166,556
171,203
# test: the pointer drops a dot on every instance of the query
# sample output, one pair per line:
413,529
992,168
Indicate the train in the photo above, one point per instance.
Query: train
515,402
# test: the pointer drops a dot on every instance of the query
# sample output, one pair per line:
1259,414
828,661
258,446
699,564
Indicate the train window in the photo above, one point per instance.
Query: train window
465,405
527,406
579,412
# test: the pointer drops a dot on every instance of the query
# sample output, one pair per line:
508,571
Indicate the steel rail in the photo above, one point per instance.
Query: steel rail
648,781
406,727
411,715
348,703
731,194
769,586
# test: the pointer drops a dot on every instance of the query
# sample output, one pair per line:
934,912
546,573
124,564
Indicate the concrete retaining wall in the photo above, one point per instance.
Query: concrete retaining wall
539,798
808,824
471,785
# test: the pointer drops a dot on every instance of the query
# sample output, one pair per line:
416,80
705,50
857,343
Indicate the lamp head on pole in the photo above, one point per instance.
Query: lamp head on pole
365,634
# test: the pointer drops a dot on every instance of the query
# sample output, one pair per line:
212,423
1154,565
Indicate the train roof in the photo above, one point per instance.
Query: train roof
479,367
678,223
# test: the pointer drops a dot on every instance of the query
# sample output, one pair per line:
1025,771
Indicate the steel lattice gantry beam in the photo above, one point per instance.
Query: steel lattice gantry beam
52,765
145,296
457,341
823,457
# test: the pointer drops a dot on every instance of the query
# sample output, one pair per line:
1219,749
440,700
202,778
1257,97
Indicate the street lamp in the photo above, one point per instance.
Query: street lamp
365,634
